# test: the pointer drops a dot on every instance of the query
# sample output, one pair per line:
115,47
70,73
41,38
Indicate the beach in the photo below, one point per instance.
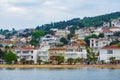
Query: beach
115,66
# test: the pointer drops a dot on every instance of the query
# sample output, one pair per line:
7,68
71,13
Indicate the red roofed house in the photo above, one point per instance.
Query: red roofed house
107,32
99,43
109,51
28,53
115,29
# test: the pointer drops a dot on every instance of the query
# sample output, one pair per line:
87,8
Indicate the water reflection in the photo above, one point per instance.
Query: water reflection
10,68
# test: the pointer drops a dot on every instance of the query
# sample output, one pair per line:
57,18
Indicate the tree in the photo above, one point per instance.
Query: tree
36,35
63,40
1,54
91,56
23,60
112,60
59,59
101,35
39,61
31,61
117,34
70,61
77,60
69,36
118,44
6,47
10,57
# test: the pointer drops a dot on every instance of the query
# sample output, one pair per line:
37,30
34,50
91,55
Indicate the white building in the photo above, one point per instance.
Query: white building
107,32
115,29
2,36
109,51
62,33
75,52
28,53
43,53
99,43
106,24
50,39
115,22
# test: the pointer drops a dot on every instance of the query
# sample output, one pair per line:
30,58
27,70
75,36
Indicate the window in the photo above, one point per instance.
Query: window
18,51
96,41
92,40
31,51
31,57
25,51
92,45
110,52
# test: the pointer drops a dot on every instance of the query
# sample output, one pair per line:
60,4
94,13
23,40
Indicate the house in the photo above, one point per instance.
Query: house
28,53
43,53
62,33
80,34
99,43
50,39
56,51
115,22
77,32
115,29
109,51
75,51
106,24
107,32
2,36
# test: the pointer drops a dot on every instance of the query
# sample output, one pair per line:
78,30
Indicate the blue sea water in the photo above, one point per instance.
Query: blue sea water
59,74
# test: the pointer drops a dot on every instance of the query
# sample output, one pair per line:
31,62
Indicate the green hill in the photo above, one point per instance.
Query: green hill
79,23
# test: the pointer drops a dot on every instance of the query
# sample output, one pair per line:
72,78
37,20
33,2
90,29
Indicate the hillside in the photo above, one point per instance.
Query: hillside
85,22
76,23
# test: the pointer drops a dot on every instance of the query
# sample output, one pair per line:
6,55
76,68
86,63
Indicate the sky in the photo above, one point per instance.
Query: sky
20,14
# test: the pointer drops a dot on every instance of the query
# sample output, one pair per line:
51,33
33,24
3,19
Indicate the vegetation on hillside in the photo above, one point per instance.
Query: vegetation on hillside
79,23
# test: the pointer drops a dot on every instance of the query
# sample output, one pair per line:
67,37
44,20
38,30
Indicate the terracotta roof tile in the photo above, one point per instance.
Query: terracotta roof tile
107,30
28,48
111,47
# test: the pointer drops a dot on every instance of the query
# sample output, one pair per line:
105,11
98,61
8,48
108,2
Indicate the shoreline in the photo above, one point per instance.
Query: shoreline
116,66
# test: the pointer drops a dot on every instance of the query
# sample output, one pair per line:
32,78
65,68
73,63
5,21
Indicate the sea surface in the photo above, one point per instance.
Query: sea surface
59,74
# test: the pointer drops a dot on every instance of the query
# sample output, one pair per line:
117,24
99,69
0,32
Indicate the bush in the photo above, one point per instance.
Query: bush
46,63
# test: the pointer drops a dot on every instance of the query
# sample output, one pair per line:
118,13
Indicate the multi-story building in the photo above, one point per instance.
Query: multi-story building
50,39
115,22
99,43
57,51
107,32
28,53
110,51
75,51
62,33
43,53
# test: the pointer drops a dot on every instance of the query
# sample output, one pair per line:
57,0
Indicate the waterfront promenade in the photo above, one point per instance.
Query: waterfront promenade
115,66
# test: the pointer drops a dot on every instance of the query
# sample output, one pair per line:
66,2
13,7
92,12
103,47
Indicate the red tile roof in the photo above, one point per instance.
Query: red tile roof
28,48
102,39
107,30
111,47
113,27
